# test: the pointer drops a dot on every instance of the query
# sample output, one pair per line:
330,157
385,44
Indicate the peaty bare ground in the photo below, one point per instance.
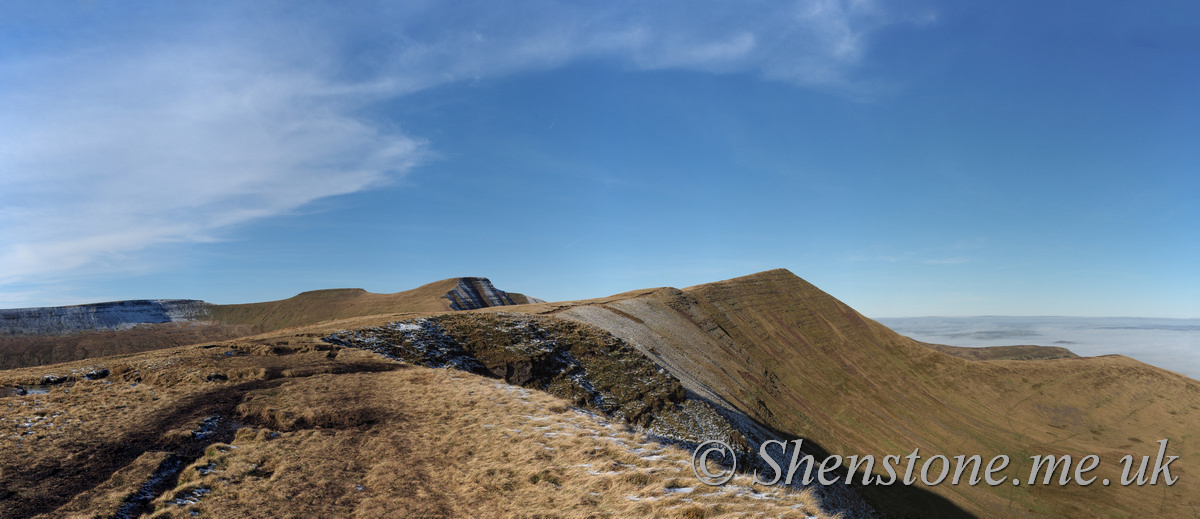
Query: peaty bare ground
302,429
770,346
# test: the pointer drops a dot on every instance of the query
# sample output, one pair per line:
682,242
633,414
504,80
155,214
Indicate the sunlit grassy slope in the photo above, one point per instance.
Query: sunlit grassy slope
303,424
325,305
802,362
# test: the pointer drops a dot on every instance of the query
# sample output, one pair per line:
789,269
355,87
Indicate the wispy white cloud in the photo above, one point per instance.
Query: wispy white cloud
805,42
177,133
946,261
113,156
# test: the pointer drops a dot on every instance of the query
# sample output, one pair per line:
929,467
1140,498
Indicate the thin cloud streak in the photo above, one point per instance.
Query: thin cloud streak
111,162
115,148
946,261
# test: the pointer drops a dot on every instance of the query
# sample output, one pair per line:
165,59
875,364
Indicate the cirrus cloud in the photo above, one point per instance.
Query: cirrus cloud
177,125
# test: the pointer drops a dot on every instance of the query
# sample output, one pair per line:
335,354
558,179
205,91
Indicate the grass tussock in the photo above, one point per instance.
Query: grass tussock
329,432
334,433
451,445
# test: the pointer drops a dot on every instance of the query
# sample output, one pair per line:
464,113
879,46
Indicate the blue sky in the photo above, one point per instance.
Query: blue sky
910,158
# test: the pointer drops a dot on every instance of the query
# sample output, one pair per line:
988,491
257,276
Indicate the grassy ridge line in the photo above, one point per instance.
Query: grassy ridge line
341,303
325,305
229,321
803,362
1023,352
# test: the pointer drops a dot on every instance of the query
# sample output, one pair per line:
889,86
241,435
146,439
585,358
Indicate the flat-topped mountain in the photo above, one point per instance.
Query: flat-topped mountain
33,336
467,293
746,360
117,315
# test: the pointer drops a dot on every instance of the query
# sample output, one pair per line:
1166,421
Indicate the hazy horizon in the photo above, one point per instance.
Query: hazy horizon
1171,344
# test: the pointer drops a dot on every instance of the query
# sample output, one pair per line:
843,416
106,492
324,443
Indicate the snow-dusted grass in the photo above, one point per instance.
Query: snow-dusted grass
450,443
337,436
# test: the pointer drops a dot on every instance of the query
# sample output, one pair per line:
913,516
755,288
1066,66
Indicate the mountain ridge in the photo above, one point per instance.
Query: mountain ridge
797,363
45,335
811,365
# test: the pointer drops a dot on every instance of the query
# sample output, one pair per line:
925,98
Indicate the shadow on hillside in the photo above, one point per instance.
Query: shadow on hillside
891,501
895,500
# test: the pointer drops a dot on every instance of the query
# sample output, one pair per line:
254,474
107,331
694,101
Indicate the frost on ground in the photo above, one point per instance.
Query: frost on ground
680,352
572,360
591,367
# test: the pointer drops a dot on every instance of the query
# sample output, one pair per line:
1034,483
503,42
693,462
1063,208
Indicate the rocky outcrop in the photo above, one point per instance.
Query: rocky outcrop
475,293
118,315
568,359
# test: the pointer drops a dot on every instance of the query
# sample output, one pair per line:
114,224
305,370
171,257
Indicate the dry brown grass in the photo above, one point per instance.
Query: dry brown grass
1024,352
19,352
439,443
318,306
778,349
802,362
322,432
325,305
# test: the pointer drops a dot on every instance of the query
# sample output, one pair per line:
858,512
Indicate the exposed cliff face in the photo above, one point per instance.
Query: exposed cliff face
476,293
766,356
117,315
568,359
573,359
34,336
470,293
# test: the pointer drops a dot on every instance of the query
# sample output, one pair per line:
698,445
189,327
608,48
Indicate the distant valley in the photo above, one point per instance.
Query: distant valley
1172,344
342,403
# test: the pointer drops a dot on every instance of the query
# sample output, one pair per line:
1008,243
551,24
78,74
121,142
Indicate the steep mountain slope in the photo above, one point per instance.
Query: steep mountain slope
769,355
476,293
800,361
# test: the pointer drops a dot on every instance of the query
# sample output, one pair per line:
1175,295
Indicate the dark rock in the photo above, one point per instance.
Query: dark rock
475,293
52,379
116,315
518,373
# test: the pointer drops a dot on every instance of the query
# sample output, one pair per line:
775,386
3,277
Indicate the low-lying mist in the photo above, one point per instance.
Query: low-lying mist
1172,344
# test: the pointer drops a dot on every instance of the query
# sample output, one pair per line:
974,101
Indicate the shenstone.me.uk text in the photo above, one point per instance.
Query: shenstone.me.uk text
932,471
